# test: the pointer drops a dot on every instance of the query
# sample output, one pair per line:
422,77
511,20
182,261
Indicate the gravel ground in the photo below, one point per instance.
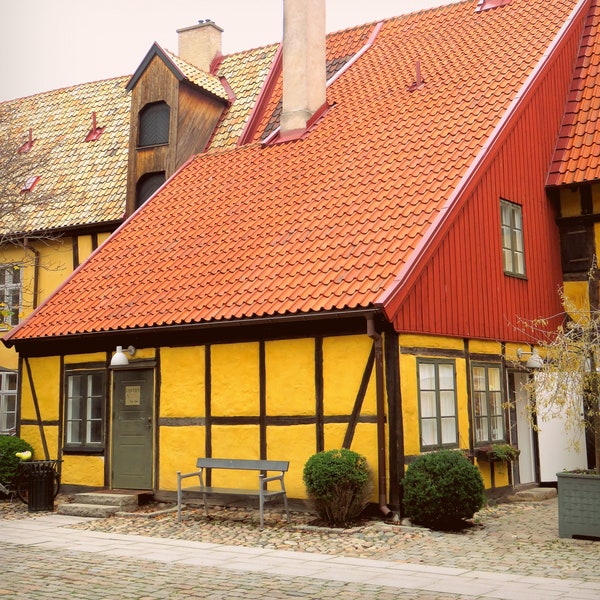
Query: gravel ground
513,537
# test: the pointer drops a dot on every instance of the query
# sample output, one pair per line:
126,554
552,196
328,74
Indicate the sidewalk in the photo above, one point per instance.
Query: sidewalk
414,562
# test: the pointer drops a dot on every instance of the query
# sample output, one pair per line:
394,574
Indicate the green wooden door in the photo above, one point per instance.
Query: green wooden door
132,429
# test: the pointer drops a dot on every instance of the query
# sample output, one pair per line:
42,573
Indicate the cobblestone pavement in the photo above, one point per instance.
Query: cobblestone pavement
505,540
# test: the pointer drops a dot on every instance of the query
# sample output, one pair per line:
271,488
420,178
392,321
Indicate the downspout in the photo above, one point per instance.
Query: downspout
379,389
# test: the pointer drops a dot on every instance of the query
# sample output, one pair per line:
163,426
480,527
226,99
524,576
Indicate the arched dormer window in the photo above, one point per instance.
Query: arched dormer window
147,185
154,124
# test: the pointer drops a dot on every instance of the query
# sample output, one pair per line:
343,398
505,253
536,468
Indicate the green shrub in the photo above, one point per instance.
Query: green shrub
338,484
441,489
9,444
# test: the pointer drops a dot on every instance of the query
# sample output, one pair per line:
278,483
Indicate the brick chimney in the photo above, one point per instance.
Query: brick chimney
304,75
199,44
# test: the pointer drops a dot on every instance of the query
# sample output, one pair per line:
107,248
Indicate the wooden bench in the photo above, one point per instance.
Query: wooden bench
261,491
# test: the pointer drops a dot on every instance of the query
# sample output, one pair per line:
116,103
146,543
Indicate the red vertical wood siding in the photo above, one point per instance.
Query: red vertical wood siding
463,291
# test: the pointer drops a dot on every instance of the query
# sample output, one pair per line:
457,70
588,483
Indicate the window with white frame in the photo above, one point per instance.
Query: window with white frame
8,402
85,395
10,295
488,412
513,251
437,404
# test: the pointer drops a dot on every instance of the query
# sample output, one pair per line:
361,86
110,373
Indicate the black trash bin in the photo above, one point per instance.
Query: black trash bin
39,475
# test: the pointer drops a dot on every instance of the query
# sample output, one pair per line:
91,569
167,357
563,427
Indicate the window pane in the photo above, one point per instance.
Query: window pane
493,378
480,404
446,377
497,429
481,429
449,431
428,432
73,436
478,378
427,376
447,406
428,408
495,403
11,382
154,124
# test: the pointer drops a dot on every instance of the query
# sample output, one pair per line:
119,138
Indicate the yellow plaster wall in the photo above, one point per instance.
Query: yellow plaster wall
182,382
578,298
235,379
46,379
32,434
182,446
570,205
485,347
344,361
295,443
236,441
290,377
430,341
93,357
83,470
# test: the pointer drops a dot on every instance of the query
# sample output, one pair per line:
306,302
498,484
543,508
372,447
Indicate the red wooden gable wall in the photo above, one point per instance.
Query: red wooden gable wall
460,288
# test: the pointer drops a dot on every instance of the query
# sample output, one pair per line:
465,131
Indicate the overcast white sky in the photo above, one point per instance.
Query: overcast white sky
48,44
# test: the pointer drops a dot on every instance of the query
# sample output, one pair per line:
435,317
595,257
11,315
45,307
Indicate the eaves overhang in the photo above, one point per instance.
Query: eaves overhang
320,323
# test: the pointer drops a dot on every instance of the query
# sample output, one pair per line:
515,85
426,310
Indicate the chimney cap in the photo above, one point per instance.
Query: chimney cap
201,23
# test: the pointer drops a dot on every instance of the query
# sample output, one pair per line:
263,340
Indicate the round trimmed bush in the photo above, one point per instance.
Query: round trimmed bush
9,445
442,489
338,484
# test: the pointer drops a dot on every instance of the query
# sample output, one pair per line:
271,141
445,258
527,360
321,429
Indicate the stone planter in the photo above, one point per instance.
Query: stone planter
578,504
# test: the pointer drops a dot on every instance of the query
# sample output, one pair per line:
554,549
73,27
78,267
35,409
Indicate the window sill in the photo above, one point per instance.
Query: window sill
86,451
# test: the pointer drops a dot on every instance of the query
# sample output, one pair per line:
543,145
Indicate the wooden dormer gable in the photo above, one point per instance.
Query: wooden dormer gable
175,108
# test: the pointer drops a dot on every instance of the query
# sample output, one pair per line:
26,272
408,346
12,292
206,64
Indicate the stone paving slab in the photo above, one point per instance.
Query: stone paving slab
57,533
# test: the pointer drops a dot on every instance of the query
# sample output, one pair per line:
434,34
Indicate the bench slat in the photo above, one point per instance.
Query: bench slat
242,464
232,491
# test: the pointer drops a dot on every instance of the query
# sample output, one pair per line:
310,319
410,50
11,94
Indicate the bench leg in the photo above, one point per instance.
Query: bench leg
205,505
261,504
287,510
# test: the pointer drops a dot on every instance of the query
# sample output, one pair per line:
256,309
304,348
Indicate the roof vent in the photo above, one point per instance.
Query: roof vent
28,145
487,4
419,81
95,131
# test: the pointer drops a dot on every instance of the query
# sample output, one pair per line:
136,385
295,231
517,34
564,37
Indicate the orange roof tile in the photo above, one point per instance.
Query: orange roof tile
577,157
327,221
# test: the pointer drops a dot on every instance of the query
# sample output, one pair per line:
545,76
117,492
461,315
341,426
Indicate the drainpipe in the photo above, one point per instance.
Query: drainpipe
381,467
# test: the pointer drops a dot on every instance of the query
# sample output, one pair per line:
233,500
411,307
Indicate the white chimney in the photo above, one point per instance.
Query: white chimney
199,44
304,74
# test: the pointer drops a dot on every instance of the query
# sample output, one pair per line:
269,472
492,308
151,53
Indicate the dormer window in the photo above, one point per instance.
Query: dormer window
154,125
147,185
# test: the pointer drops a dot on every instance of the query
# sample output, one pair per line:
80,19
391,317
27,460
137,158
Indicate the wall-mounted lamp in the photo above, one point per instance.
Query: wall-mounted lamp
535,361
119,358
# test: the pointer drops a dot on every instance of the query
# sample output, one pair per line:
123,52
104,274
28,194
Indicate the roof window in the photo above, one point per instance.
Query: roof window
95,131
28,145
30,184
488,4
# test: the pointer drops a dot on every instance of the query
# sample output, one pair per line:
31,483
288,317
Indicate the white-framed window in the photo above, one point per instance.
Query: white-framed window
8,402
488,410
513,251
85,399
10,295
437,404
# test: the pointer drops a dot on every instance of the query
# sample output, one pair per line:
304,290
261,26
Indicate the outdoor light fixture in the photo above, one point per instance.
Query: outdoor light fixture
119,358
535,361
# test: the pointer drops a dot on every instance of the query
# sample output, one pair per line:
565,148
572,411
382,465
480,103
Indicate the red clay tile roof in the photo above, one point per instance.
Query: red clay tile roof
577,157
325,222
